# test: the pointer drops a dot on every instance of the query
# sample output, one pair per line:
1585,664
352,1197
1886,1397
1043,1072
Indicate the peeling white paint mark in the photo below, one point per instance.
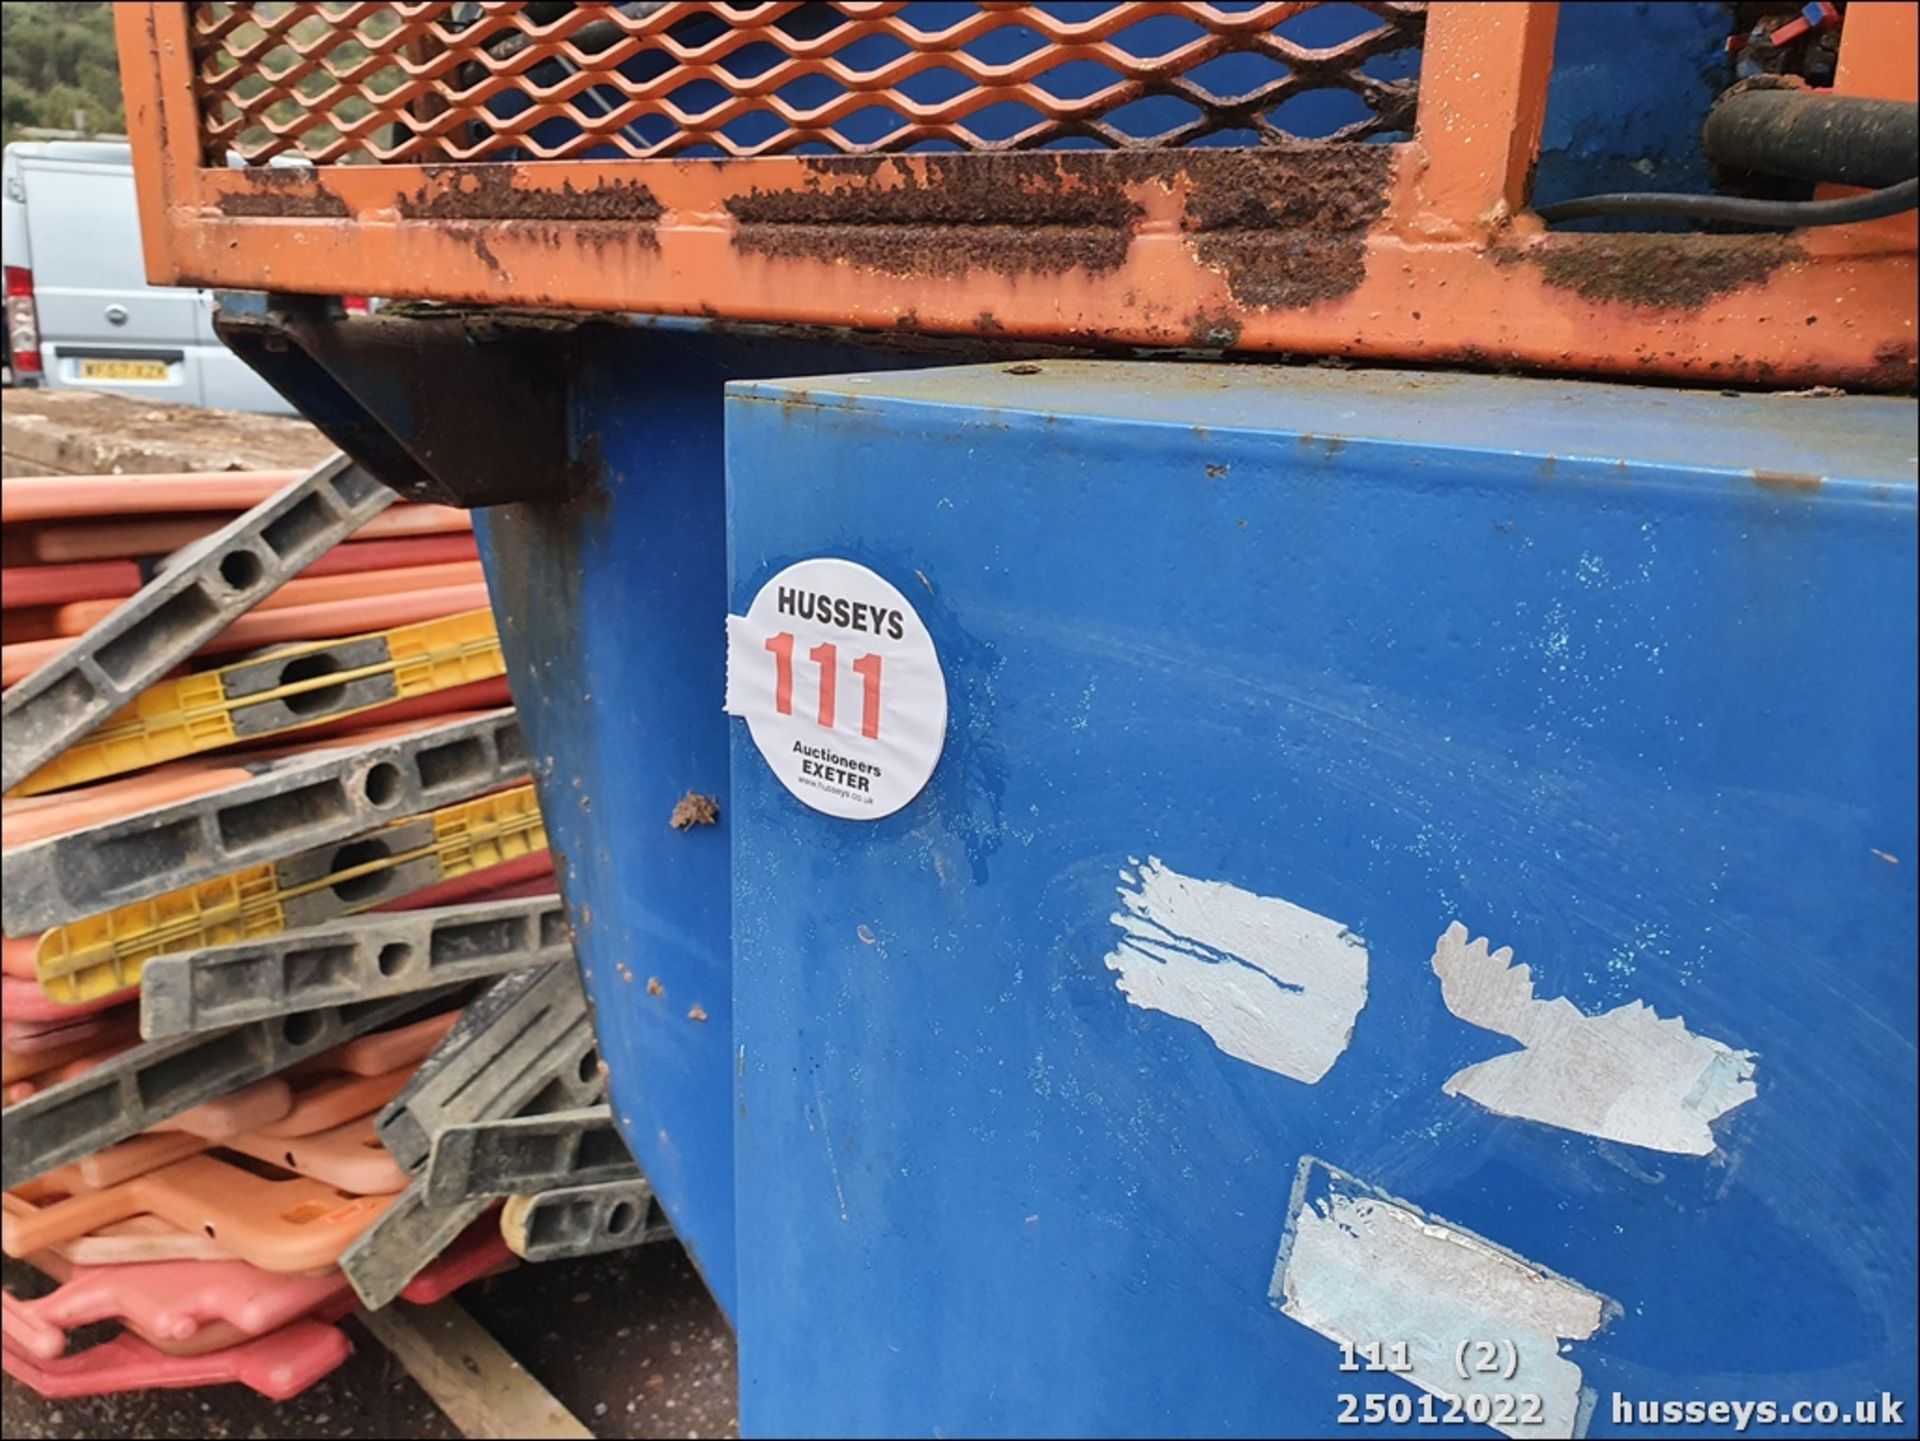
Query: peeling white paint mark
1364,1268
1624,1076
1272,983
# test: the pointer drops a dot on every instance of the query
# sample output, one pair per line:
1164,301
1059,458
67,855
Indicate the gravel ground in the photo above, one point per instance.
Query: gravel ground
631,1343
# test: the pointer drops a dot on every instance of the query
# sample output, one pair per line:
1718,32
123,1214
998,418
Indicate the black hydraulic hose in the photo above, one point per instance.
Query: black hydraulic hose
1807,134
1772,214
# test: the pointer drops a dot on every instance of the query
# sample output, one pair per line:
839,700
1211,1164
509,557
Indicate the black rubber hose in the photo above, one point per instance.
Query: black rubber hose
1771,214
1814,135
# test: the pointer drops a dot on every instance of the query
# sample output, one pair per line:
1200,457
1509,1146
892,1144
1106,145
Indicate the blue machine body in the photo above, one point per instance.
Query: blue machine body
1621,678
637,568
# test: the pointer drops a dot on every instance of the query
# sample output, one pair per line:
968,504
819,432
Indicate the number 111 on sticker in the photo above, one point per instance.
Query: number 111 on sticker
837,678
826,656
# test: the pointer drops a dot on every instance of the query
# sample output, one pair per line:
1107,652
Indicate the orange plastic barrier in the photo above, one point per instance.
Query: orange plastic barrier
132,1242
348,1157
332,1098
291,1224
323,1103
18,1066
16,956
355,556
25,819
379,1052
135,1156
64,497
325,621
306,590
114,580
72,540
25,585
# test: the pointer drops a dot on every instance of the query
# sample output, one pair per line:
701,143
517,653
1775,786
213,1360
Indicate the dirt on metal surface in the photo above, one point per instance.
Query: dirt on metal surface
1667,272
1287,227
285,192
1896,366
694,809
1010,214
487,192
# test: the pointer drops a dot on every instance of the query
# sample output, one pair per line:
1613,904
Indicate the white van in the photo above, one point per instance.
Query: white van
79,310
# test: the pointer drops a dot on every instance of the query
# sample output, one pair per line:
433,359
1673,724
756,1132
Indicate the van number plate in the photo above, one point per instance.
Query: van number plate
123,370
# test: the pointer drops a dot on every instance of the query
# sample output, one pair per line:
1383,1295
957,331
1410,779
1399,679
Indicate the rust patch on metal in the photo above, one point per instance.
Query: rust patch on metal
487,192
1896,366
1287,228
284,193
1788,480
693,810
1213,330
1010,214
1666,272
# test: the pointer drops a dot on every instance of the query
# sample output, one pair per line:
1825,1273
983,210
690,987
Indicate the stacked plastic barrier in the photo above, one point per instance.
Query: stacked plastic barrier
290,1008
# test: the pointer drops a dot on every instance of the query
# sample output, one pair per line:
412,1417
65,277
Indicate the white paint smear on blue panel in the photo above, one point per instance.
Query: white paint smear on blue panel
1272,983
1624,1076
1367,1269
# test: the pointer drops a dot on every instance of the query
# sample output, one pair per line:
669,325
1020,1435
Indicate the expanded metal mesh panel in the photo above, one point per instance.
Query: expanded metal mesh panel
348,82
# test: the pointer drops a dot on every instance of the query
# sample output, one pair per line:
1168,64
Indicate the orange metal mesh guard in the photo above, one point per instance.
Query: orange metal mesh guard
849,165
344,82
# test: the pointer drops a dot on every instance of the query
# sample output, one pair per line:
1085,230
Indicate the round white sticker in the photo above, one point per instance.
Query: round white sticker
840,686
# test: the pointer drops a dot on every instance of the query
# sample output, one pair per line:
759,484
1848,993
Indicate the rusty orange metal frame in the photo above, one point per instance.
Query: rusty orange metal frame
1417,252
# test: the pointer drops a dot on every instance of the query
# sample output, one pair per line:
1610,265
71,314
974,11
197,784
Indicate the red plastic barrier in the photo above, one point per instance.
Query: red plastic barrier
324,620
176,1300
24,585
34,818
26,1038
279,1365
359,555
302,591
22,1001
65,541
115,580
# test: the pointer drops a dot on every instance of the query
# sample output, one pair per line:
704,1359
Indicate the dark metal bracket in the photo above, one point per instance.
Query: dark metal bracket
447,404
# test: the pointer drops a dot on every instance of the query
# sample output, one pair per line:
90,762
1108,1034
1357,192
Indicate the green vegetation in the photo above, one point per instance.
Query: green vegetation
56,60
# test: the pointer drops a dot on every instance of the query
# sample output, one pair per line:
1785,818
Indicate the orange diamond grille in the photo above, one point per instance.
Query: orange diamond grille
354,83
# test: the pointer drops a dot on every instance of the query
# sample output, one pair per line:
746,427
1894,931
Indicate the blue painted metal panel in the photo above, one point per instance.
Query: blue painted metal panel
610,616
1622,678
1631,87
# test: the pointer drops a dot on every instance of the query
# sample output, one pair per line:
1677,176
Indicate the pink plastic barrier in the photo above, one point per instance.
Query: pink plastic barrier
23,1001
279,1365
173,1300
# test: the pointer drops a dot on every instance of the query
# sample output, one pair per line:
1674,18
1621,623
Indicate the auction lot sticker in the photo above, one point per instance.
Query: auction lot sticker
837,679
